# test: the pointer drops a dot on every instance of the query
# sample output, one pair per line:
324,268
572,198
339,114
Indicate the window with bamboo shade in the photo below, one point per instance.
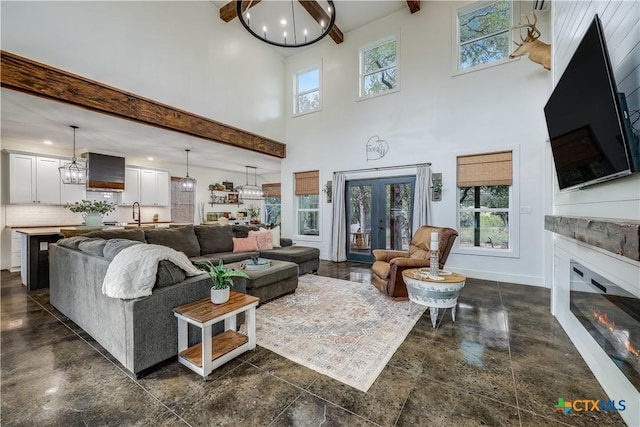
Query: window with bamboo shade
272,190
307,190
307,183
272,202
485,169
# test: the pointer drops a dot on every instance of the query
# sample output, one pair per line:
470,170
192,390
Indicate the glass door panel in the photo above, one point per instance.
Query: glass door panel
379,213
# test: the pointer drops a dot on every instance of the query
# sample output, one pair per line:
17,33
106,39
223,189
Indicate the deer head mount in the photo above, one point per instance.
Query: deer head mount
538,51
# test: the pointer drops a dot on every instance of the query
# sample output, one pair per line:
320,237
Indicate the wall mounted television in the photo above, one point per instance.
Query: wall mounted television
588,122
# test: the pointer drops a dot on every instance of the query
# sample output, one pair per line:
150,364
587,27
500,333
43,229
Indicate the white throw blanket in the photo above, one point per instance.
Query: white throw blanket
132,273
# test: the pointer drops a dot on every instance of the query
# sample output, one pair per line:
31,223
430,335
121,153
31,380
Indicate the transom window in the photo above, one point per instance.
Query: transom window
307,91
484,196
484,34
378,68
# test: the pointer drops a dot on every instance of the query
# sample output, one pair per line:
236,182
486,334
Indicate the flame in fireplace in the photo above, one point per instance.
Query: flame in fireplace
603,318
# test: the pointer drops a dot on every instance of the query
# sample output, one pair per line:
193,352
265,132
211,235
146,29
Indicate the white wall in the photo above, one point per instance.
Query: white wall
619,198
434,117
178,53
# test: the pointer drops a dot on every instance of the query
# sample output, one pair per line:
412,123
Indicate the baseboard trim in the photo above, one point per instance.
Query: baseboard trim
500,277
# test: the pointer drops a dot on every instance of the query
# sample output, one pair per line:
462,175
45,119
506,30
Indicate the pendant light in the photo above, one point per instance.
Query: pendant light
73,173
187,184
250,192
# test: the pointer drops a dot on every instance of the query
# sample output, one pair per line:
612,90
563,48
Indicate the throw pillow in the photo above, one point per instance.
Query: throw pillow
93,246
275,236
263,238
245,244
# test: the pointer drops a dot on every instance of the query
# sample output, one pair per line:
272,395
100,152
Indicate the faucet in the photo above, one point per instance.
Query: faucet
134,212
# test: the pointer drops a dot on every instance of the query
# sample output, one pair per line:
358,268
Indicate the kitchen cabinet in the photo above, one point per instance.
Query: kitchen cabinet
33,179
154,188
71,193
131,191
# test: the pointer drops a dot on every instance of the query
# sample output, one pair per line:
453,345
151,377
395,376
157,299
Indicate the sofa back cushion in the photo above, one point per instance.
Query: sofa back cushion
214,238
243,230
114,246
72,242
169,274
93,246
181,239
116,233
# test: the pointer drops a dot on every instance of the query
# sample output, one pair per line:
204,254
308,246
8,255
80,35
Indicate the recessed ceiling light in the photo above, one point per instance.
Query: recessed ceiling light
150,158
283,22
47,142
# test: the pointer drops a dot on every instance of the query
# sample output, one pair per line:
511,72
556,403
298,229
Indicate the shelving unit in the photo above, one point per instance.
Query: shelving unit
226,195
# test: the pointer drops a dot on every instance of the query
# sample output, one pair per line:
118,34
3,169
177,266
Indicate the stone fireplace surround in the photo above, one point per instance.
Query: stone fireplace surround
610,248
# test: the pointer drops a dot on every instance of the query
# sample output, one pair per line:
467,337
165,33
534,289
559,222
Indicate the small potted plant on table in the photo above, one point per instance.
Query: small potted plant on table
222,280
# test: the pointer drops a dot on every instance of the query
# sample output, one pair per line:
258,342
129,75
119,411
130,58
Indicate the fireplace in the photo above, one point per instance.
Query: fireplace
611,315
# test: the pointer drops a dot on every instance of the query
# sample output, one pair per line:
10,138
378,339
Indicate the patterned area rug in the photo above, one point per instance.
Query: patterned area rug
345,330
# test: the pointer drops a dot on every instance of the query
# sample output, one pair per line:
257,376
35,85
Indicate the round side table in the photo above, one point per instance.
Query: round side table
434,294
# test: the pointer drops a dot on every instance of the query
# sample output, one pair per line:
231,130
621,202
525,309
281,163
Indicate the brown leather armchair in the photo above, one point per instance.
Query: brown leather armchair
389,265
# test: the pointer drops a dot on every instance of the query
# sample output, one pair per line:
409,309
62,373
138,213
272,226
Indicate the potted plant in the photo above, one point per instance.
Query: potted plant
222,280
93,211
254,214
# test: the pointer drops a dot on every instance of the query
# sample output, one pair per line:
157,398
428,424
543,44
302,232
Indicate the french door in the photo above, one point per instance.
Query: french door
379,215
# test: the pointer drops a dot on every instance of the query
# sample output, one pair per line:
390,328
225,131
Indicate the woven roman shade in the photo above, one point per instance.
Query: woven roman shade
307,183
485,169
272,190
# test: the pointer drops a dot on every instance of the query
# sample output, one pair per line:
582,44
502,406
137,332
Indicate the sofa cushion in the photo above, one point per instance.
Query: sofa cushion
181,239
93,246
114,246
214,238
297,254
116,233
226,257
71,242
246,244
168,274
243,230
264,238
275,236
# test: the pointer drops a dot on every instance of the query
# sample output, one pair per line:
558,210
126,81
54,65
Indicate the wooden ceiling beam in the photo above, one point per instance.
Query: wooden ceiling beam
318,13
228,11
414,5
34,78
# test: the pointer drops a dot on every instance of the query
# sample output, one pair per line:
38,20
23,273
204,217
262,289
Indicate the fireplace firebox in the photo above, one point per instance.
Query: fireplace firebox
611,315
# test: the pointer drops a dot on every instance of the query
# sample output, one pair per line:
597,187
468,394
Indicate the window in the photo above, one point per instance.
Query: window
378,68
308,207
272,203
484,186
307,91
484,34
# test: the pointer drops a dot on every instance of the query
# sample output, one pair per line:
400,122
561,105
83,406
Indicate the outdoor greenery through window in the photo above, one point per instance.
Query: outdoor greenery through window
484,216
307,93
484,34
272,209
308,210
378,68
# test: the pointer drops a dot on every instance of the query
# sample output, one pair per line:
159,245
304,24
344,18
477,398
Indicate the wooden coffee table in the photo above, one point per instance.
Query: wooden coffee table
215,351
434,294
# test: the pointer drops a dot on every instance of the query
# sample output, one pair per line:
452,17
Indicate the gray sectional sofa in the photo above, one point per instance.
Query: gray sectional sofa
142,332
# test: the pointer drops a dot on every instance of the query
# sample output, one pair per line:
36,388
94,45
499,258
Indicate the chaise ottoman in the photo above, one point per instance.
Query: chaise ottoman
280,278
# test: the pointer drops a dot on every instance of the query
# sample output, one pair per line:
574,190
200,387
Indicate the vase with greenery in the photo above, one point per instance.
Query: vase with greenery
221,279
254,214
93,210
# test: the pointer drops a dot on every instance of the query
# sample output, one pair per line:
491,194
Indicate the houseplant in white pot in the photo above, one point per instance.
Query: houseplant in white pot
221,279
93,211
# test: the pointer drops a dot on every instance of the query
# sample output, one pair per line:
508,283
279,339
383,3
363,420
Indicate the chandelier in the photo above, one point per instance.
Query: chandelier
293,23
250,192
187,184
73,173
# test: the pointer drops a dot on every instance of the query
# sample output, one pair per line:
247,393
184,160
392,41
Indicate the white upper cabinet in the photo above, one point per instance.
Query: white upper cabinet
131,192
71,193
154,188
34,179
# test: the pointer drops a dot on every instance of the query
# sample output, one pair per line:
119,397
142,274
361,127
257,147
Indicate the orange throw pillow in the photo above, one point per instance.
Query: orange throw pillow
245,244
265,241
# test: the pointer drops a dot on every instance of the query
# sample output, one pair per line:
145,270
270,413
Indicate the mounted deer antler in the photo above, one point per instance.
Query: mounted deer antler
538,51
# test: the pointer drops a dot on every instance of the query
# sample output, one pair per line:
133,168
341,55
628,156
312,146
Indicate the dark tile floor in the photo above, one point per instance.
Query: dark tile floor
505,361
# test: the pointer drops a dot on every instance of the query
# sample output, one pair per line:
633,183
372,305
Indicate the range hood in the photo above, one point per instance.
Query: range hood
106,173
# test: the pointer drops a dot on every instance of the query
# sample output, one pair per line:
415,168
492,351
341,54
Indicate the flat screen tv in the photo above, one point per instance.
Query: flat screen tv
591,137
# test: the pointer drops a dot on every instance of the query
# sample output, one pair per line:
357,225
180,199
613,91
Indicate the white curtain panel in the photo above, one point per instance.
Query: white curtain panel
339,221
421,197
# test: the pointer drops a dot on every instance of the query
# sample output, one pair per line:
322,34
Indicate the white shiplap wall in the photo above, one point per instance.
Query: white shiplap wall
619,198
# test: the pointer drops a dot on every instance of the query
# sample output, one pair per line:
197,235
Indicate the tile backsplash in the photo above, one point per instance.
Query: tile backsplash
43,215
